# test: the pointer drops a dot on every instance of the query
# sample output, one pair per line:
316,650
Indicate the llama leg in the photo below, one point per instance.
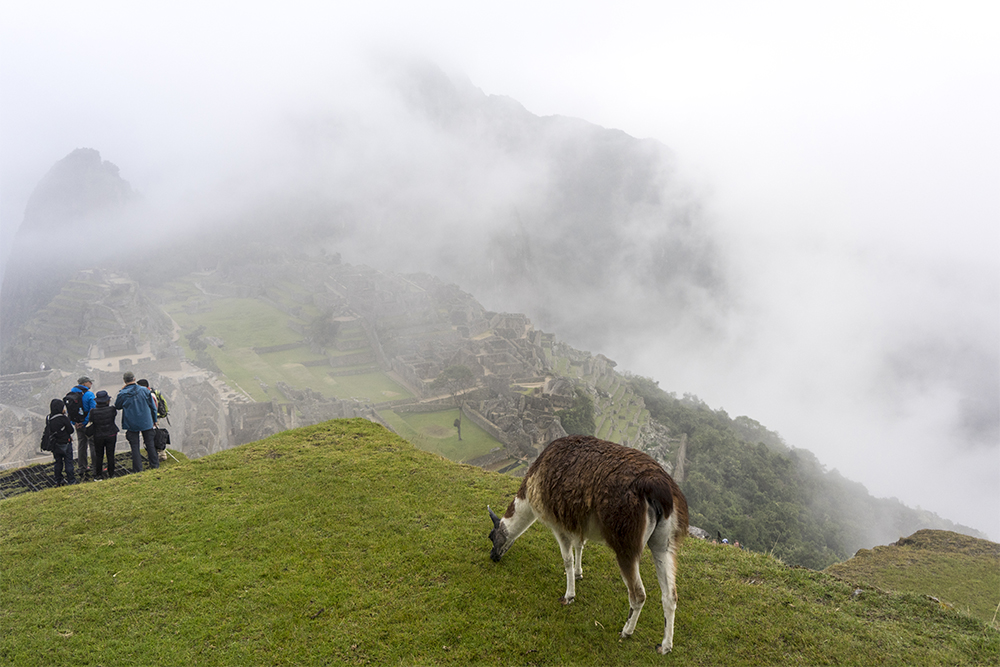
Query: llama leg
568,549
578,560
636,592
665,558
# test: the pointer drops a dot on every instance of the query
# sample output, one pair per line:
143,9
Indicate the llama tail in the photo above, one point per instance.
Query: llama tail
664,496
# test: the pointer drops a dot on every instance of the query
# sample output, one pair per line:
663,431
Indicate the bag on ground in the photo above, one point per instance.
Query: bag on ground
161,438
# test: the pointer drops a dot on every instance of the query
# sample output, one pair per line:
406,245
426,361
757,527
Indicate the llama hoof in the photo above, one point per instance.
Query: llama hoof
663,650
566,600
623,635
579,576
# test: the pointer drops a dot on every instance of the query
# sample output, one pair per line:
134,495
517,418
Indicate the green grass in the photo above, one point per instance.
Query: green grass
342,544
244,324
376,387
959,570
239,322
435,432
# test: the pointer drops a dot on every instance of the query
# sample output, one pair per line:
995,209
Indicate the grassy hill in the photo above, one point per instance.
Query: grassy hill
959,570
342,543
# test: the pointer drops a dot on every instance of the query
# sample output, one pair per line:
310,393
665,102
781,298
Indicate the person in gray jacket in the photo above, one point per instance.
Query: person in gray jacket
138,417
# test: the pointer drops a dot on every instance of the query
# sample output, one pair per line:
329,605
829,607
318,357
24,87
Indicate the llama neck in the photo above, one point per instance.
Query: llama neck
520,520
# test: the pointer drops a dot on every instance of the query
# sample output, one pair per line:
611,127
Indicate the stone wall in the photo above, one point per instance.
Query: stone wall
24,403
482,422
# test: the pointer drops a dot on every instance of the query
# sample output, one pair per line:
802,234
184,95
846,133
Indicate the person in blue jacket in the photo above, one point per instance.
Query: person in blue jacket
138,417
83,386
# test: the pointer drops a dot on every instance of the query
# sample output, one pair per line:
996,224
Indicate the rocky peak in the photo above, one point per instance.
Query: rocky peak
79,190
79,185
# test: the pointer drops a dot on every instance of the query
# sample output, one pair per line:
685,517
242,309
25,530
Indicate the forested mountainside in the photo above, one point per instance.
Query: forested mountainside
743,481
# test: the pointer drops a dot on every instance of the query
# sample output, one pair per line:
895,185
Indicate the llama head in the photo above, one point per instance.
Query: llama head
498,536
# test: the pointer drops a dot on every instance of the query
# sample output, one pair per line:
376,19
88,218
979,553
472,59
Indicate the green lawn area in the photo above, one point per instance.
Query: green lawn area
435,432
239,323
377,387
241,366
244,324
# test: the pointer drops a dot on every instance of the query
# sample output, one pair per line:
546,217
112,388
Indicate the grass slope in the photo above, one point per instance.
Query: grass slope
341,543
959,570
435,432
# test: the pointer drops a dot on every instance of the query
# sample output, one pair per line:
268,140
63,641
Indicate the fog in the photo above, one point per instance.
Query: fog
839,166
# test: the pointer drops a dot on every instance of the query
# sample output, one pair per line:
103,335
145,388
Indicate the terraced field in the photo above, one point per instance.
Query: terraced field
257,343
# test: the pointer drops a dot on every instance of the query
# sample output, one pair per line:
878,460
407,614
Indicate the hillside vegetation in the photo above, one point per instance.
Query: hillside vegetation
746,483
342,543
960,571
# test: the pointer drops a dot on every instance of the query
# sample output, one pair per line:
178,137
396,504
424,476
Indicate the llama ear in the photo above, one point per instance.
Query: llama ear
496,519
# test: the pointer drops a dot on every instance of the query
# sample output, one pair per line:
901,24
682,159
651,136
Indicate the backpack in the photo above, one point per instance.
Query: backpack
161,438
74,407
161,405
46,444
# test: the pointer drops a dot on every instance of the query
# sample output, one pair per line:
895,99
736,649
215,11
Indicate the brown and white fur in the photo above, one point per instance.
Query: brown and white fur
584,489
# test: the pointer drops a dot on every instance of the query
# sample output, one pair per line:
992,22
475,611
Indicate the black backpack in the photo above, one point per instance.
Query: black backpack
74,407
161,438
46,437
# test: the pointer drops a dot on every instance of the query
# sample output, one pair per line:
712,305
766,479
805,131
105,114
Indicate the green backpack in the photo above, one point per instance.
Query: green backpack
161,405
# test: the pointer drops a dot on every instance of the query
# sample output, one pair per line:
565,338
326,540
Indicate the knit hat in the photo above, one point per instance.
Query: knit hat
129,376
102,397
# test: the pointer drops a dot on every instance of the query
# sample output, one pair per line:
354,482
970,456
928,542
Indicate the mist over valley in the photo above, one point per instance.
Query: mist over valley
861,332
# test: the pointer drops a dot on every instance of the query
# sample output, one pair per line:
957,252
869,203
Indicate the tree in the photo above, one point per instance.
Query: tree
323,329
455,380
579,419
195,340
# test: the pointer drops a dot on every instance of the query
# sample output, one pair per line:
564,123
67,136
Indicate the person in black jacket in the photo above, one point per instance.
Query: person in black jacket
61,436
105,432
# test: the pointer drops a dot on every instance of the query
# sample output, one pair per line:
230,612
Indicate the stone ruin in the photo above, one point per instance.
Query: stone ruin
410,327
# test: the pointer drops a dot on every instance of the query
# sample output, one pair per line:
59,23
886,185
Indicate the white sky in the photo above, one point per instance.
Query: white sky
849,152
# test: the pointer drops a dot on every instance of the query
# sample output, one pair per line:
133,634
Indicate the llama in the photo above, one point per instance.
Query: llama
584,489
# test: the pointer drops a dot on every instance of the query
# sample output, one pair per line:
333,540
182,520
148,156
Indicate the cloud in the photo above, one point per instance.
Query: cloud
836,164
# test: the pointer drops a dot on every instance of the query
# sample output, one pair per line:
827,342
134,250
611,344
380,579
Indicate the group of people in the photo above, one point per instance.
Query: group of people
91,418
